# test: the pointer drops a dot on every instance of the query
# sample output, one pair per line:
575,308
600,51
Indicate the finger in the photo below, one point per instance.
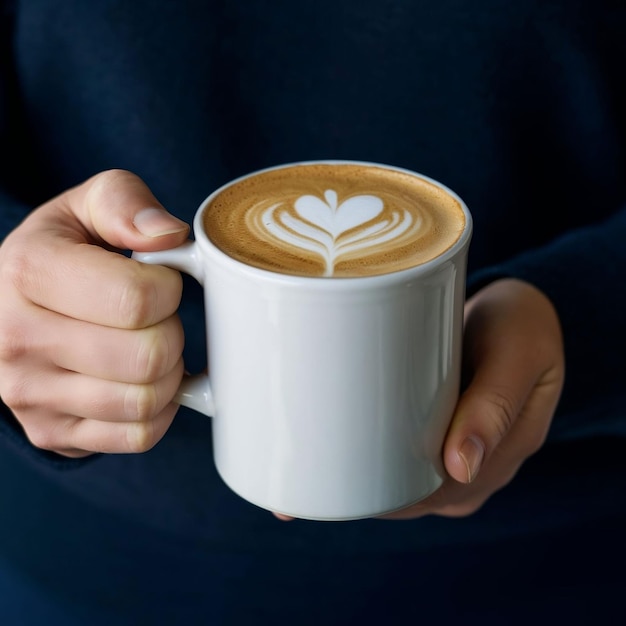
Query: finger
511,347
525,437
89,283
141,356
117,208
122,438
68,393
130,356
528,432
484,415
53,261
73,436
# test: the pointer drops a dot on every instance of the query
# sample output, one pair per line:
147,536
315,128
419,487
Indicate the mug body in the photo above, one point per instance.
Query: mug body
332,396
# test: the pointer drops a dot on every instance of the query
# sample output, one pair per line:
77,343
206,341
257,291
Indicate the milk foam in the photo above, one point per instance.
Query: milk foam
331,229
333,220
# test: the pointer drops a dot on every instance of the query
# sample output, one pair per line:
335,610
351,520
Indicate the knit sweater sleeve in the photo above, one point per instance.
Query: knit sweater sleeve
12,212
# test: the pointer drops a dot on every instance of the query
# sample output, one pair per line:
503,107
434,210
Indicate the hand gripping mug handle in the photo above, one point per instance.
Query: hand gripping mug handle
194,391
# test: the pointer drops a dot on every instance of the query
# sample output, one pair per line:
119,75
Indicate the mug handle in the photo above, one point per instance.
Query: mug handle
194,391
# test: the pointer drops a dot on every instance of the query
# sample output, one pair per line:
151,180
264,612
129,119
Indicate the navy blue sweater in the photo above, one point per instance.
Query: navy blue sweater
520,107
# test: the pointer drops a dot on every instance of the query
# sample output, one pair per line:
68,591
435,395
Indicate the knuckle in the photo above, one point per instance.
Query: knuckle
140,436
152,356
15,394
504,411
141,402
17,269
104,183
13,344
137,300
159,349
41,437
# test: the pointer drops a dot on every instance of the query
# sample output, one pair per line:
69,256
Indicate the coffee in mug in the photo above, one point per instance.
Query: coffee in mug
334,220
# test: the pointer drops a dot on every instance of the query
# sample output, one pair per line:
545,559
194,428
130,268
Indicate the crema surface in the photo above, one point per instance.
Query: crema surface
333,220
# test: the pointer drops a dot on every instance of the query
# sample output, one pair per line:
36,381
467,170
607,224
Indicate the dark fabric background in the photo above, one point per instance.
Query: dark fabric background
517,106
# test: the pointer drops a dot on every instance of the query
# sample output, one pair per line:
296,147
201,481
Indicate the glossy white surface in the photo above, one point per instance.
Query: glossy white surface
330,397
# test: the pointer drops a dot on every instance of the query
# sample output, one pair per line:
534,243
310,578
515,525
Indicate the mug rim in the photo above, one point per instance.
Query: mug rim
202,238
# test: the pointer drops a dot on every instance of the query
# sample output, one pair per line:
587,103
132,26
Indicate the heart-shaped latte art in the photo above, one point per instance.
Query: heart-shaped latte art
337,219
331,229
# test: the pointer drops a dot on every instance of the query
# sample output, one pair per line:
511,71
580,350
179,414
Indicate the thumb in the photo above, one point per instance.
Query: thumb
502,379
485,414
117,208
509,347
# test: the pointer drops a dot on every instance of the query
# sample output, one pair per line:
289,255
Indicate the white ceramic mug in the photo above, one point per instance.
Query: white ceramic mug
330,398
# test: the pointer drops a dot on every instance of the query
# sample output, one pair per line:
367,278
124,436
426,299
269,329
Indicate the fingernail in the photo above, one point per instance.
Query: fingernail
157,222
472,452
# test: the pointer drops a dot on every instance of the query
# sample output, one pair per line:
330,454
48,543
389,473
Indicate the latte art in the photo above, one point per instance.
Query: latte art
330,229
333,220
